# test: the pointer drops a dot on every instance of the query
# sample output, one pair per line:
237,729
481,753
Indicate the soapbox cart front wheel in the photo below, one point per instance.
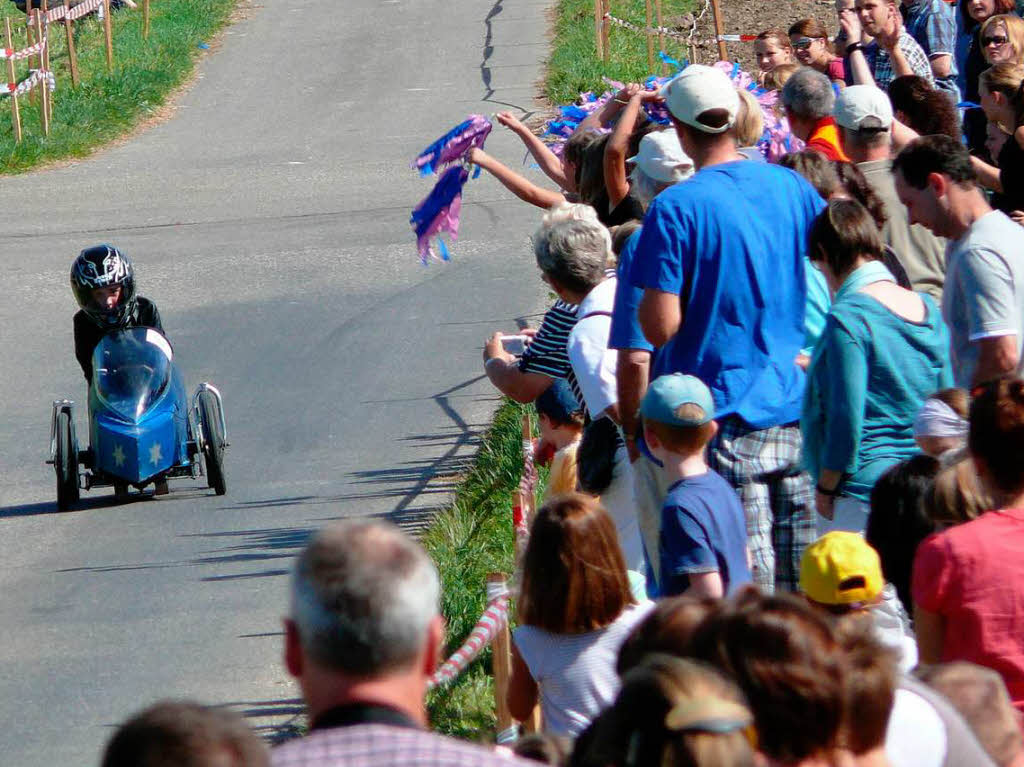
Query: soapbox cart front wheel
211,423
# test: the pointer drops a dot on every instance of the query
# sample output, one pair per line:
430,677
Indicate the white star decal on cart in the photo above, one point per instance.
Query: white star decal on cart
118,456
154,453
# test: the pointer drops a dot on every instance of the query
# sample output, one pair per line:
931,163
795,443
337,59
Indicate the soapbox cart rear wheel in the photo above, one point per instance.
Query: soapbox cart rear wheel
65,462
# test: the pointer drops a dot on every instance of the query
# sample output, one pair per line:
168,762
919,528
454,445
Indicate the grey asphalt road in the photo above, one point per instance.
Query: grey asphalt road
269,220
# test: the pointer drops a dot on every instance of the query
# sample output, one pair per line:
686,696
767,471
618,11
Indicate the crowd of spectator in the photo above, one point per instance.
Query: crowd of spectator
784,411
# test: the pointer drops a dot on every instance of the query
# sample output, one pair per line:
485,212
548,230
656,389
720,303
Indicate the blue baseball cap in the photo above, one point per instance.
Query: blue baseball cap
667,394
558,402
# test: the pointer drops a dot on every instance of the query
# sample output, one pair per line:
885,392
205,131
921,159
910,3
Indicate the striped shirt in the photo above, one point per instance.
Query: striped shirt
547,353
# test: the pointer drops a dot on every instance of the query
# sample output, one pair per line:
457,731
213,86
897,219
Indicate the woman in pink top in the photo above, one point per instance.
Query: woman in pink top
968,581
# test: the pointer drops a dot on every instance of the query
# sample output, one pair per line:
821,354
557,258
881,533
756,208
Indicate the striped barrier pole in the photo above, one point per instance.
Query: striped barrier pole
716,14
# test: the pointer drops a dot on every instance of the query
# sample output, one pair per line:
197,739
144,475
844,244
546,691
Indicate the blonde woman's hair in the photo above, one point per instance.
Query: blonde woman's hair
673,712
1007,78
956,495
749,121
776,78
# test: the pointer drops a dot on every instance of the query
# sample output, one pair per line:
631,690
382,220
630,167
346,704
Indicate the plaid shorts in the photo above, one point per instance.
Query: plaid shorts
777,495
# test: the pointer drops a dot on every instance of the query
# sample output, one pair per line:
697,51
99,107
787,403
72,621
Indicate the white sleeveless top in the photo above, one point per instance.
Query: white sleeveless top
575,673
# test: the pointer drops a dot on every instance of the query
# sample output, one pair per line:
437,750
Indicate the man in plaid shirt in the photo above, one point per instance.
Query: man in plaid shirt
362,640
932,24
892,54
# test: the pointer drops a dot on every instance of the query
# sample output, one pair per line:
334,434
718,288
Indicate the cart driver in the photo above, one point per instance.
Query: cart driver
103,282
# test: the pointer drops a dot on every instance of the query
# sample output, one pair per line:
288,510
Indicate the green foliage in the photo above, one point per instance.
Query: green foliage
574,67
467,541
107,105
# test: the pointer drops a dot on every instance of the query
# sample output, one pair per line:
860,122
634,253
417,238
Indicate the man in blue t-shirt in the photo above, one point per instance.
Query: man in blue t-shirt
702,548
721,260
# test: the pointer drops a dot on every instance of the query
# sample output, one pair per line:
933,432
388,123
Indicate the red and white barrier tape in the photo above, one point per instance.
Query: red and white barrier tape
494,617
30,82
24,53
82,9
527,483
60,12
55,14
677,35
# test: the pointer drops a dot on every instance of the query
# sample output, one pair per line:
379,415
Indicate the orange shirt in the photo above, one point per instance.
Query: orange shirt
825,140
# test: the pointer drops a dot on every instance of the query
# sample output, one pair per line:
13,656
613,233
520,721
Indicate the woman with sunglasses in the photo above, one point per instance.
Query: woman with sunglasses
1002,39
974,13
809,39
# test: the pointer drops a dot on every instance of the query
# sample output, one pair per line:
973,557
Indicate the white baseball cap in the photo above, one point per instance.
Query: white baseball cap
661,157
697,89
861,107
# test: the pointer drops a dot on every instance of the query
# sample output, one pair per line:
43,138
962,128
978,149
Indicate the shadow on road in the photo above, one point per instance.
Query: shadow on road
86,504
273,732
102,498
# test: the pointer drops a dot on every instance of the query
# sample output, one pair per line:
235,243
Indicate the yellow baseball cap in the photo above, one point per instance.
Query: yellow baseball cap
841,568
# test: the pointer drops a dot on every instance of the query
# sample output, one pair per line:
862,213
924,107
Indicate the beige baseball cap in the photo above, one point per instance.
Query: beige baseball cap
863,107
696,90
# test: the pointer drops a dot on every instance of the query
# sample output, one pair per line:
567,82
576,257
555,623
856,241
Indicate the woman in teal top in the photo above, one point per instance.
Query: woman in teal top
884,350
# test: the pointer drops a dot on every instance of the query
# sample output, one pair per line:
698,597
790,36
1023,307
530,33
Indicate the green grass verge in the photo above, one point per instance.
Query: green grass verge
574,67
107,105
468,540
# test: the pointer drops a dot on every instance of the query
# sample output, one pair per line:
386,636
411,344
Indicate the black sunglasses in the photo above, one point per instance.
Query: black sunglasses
994,40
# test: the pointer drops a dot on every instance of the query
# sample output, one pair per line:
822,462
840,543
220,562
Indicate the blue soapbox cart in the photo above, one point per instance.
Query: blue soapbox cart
142,427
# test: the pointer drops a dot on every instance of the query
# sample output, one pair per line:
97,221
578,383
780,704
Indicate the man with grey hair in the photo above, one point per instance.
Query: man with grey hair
864,118
363,637
808,99
573,257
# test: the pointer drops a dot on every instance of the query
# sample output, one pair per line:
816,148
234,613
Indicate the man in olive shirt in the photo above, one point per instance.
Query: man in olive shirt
863,114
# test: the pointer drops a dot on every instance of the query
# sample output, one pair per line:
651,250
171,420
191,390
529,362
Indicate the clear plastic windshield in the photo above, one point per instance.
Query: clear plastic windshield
131,369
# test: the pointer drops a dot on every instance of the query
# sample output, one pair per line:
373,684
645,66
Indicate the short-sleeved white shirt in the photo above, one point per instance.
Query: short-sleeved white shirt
592,361
575,673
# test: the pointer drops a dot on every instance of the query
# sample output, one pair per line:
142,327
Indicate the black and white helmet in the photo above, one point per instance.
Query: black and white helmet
104,266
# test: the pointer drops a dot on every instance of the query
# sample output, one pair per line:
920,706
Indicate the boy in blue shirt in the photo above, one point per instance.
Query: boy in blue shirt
703,539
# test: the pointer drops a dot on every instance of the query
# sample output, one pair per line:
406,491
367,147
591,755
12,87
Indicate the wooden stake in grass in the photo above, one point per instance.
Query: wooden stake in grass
45,27
605,24
69,32
145,19
15,113
598,24
649,36
661,35
30,39
44,90
716,12
502,665
107,35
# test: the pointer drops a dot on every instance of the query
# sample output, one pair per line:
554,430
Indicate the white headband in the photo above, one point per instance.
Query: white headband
937,419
